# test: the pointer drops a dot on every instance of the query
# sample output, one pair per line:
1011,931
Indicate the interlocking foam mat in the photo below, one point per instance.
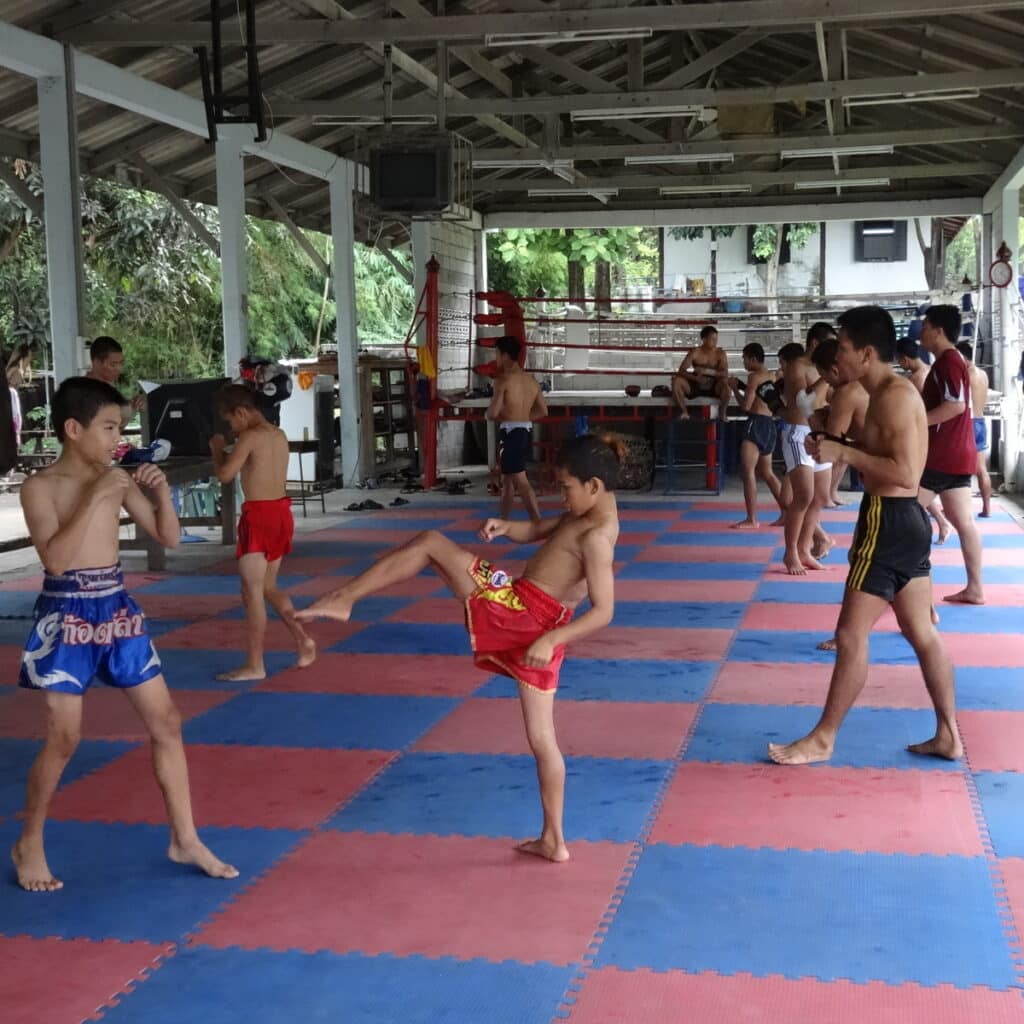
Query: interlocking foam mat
372,801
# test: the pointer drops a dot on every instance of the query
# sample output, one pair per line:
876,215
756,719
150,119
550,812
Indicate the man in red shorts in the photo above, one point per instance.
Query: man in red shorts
265,529
952,453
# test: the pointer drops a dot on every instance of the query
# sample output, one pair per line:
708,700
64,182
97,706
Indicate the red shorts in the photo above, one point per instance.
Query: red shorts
266,528
504,617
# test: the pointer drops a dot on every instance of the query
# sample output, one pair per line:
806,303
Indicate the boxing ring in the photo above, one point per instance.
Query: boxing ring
580,361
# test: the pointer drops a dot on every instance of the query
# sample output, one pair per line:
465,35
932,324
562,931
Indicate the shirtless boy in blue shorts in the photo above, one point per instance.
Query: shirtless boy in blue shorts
87,626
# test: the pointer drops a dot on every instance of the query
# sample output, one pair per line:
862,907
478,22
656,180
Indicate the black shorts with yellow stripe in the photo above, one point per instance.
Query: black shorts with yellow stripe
891,546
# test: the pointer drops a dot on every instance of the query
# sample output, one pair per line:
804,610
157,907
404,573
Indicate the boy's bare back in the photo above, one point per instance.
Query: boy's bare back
265,469
520,394
561,565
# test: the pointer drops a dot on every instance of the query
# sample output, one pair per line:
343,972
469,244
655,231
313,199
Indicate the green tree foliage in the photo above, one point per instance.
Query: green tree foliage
152,283
521,260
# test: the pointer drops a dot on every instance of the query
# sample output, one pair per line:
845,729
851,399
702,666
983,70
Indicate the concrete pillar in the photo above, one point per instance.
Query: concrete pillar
58,151
422,251
234,268
343,278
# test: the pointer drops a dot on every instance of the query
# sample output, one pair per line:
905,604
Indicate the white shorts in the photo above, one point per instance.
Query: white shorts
793,450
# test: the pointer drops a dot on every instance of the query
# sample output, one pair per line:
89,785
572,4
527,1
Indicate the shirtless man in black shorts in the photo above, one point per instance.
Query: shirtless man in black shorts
889,563
703,373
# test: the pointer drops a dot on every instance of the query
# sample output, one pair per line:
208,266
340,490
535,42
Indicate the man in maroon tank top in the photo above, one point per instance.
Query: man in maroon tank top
952,454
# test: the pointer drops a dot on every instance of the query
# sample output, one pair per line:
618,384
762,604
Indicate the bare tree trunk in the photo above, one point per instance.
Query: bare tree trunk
934,254
603,286
10,243
771,272
577,288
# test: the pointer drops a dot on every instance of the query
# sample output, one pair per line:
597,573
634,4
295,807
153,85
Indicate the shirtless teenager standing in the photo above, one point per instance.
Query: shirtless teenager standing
909,358
703,373
889,557
808,479
517,402
979,399
952,455
759,435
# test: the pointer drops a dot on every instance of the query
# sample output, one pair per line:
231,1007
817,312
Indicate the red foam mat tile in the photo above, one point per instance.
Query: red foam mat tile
311,565
704,553
888,686
26,583
230,634
834,570
452,895
191,606
993,739
584,729
106,713
1002,595
824,808
393,537
248,787
418,586
994,556
408,675
657,644
50,981
431,609
985,650
777,616
613,996
766,530
641,515
10,662
685,590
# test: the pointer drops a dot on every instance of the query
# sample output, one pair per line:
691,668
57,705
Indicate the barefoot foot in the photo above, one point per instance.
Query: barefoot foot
307,653
810,750
781,521
944,531
810,562
822,548
245,672
943,745
828,645
794,566
965,596
34,873
546,848
331,606
200,856
745,524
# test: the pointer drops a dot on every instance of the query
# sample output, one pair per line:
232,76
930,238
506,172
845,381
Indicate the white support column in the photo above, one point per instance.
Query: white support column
233,261
58,151
1007,230
422,251
341,183
480,254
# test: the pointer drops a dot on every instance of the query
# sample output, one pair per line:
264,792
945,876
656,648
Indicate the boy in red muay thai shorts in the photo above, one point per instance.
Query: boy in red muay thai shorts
260,457
521,627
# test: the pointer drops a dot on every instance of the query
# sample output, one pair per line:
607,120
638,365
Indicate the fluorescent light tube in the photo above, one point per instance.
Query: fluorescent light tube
681,158
804,186
578,192
796,154
622,113
592,35
551,165
701,190
910,97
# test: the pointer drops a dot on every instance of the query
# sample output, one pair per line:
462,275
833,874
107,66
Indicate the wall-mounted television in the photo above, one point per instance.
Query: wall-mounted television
411,177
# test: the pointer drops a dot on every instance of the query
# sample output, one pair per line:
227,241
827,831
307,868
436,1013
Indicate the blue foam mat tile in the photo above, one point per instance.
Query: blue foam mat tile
714,516
205,584
191,669
990,689
862,917
869,738
787,647
679,614
380,520
717,539
319,720
200,983
611,679
119,884
966,618
159,627
659,506
496,796
989,573
781,592
1002,797
370,609
17,604
691,571
407,638
14,632
339,548
17,755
